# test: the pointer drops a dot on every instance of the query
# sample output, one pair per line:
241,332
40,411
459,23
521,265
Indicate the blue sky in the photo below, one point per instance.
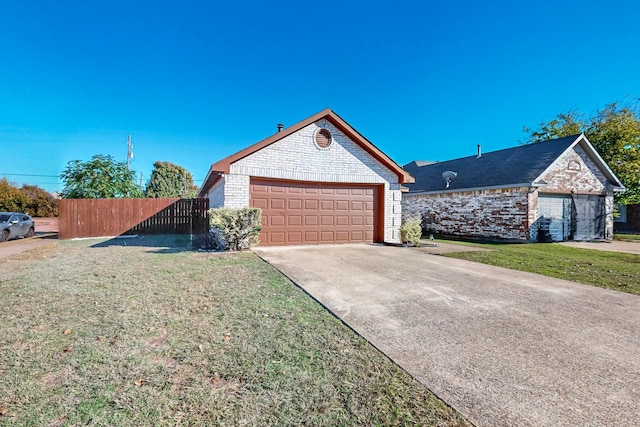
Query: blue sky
195,81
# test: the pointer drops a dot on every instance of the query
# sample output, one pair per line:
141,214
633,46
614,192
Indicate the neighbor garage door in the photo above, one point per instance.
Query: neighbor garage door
313,213
555,211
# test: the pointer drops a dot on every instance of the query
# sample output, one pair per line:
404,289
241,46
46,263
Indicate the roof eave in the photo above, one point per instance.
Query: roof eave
594,155
224,165
209,181
493,187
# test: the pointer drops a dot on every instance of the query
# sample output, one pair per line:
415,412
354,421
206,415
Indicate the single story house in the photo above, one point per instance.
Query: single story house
561,187
318,181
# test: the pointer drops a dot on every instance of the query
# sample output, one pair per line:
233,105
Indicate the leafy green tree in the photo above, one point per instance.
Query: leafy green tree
100,178
41,203
614,131
11,198
169,180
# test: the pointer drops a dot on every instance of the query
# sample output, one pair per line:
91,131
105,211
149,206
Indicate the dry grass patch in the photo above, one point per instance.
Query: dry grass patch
145,335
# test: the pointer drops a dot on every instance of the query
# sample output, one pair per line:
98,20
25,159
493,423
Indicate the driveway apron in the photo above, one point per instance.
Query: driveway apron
504,348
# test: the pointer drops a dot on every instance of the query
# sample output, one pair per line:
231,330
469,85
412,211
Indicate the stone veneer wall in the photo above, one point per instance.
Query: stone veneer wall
491,214
576,173
510,214
296,157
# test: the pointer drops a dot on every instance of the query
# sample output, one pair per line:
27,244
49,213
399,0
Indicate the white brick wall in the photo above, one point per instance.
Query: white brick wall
296,157
216,194
236,191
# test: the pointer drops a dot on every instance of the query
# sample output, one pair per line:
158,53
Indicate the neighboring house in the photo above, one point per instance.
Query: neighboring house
628,219
561,186
318,181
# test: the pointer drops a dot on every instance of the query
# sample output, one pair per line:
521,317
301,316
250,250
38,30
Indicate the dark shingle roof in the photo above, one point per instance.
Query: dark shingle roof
517,165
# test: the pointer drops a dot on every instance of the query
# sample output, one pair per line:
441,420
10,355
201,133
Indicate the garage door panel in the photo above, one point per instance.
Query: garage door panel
326,220
342,220
311,237
294,237
326,205
260,203
327,237
342,205
293,204
276,220
342,236
310,213
277,203
357,235
276,237
294,220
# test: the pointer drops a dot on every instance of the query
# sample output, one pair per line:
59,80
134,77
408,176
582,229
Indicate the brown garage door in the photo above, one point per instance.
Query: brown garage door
312,213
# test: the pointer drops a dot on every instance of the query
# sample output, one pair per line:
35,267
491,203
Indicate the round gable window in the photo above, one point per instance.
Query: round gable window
322,138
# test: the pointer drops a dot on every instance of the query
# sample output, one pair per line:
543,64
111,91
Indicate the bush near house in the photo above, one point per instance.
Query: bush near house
234,229
411,231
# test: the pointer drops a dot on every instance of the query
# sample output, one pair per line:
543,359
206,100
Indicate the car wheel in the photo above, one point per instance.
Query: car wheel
4,236
31,232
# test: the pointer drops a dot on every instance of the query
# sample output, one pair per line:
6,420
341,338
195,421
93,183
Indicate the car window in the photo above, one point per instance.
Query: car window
4,217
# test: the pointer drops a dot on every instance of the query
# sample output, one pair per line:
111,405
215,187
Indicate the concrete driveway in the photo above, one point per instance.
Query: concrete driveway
504,348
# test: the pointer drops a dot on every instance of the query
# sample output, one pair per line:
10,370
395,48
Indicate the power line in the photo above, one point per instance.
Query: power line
27,174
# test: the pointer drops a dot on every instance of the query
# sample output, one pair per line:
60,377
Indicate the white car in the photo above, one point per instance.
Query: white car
14,224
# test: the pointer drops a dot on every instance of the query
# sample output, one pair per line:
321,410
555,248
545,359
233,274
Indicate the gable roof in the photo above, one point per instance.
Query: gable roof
223,166
512,167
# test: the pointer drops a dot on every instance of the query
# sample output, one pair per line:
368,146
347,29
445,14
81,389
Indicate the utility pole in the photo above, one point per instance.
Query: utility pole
129,151
140,178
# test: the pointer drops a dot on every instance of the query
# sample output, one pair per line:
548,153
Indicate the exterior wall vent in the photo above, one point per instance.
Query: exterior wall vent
322,138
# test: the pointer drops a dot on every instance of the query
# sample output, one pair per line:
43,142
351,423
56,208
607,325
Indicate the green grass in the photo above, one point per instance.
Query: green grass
98,333
613,270
627,237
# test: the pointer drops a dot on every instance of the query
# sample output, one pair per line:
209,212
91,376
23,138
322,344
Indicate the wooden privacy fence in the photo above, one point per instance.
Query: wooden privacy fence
116,217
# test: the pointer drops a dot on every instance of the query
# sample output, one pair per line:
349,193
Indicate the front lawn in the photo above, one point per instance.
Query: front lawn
627,237
101,334
613,270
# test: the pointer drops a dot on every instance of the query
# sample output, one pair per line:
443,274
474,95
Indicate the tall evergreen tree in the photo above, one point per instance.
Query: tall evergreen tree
170,180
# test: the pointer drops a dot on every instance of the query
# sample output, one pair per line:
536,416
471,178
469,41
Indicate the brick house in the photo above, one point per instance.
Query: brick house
318,181
561,187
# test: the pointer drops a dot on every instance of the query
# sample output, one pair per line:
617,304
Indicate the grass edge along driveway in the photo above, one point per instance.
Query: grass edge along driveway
99,333
611,270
